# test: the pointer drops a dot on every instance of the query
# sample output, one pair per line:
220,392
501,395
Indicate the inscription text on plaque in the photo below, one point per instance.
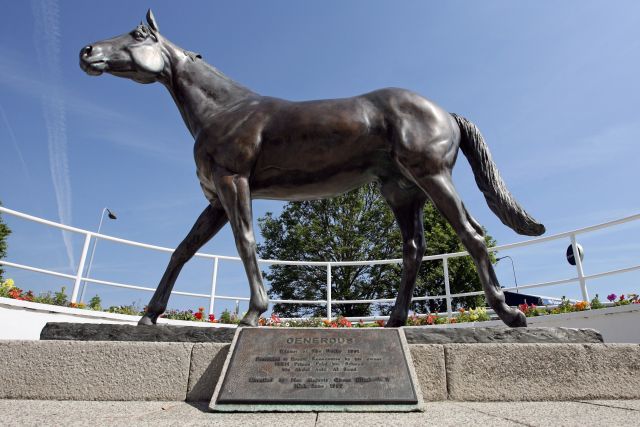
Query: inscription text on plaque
305,369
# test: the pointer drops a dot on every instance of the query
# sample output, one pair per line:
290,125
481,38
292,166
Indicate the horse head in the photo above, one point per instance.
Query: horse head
136,55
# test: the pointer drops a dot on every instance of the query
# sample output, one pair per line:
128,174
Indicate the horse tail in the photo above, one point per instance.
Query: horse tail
488,179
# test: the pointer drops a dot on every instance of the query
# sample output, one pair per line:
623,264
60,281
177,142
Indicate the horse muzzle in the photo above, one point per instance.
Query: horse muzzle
92,63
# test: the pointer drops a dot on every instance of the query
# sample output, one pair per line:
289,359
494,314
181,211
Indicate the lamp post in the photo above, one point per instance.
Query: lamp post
513,268
111,215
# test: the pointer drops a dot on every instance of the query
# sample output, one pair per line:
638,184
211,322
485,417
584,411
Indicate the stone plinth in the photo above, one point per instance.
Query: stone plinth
415,335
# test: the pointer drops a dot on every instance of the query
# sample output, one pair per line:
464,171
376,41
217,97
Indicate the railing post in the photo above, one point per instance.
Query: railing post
83,258
329,292
447,288
576,257
214,281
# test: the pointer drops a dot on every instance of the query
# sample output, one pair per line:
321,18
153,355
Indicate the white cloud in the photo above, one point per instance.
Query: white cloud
47,43
14,142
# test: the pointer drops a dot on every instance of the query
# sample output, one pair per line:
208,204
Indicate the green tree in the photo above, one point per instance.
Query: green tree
356,226
4,232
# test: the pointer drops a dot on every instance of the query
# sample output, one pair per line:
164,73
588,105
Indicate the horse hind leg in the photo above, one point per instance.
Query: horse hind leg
407,207
475,224
440,189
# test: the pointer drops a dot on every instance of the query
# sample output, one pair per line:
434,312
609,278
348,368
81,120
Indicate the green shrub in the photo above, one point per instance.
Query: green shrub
60,297
45,298
596,304
95,303
225,317
131,310
179,315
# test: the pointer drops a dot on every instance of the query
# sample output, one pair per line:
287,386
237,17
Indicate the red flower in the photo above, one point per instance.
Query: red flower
198,315
380,323
212,318
342,321
431,319
275,318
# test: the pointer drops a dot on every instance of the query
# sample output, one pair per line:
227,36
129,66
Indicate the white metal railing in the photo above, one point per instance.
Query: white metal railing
78,278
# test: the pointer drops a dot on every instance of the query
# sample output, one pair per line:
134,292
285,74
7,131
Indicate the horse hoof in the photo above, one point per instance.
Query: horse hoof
394,323
517,319
249,321
146,321
247,324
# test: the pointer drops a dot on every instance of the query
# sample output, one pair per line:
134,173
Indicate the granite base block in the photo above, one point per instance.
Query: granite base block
414,334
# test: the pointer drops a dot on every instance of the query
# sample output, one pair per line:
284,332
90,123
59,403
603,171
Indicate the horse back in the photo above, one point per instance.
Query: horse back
314,149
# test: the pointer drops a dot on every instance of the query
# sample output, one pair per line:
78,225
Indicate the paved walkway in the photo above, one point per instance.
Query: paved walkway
585,413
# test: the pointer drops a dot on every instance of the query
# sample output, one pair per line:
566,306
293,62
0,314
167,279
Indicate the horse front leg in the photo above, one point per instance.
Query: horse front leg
210,221
235,194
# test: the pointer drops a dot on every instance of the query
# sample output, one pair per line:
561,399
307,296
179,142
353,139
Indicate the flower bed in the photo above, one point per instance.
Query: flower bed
480,314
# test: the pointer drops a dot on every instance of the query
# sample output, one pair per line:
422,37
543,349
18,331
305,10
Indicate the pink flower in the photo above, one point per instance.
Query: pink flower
612,297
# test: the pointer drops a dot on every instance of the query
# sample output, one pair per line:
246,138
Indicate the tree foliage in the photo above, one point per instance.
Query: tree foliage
4,232
356,226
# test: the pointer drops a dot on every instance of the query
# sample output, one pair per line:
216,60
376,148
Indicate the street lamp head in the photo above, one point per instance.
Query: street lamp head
111,215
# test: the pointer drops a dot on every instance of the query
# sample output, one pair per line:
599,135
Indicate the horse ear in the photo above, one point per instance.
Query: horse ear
151,20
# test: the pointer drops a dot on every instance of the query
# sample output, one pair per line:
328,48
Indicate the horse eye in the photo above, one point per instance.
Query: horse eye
138,35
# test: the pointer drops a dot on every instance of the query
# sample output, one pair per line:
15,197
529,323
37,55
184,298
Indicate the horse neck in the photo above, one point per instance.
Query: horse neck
199,90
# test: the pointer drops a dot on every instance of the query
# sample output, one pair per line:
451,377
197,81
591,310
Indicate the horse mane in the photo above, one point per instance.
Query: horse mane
192,55
211,72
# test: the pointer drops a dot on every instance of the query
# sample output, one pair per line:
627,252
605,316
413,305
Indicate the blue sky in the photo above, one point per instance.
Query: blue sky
552,85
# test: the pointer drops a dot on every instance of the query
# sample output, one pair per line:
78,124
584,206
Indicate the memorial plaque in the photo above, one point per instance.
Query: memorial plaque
294,369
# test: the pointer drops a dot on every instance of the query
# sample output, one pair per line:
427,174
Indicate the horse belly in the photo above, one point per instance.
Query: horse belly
320,149
300,186
317,170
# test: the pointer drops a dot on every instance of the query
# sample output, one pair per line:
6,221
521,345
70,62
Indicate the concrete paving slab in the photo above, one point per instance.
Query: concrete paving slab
199,414
435,414
82,413
632,405
578,414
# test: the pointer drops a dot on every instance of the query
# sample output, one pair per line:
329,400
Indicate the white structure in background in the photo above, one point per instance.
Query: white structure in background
24,320
580,278
111,215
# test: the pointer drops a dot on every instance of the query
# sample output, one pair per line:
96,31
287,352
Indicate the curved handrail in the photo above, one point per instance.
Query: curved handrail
529,242
327,264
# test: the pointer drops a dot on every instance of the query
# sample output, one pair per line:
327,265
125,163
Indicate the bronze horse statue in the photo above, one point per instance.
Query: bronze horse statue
251,146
